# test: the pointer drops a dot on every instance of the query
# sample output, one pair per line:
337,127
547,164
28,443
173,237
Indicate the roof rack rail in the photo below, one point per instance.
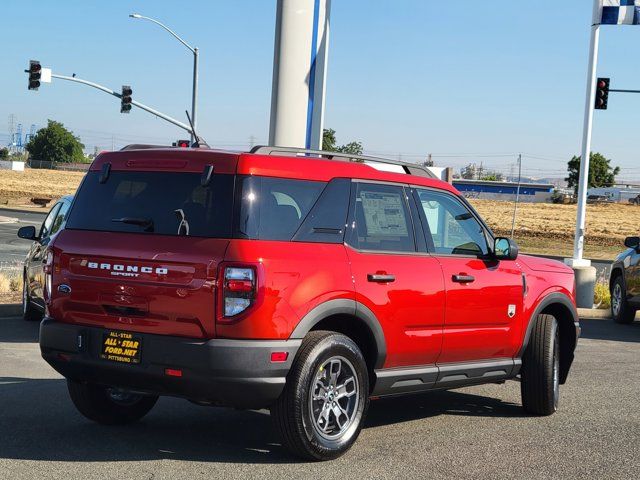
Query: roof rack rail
142,146
409,168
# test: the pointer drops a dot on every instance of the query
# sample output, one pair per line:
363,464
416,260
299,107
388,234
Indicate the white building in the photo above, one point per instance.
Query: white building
616,194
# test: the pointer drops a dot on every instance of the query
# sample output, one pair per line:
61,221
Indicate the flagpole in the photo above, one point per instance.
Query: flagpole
583,182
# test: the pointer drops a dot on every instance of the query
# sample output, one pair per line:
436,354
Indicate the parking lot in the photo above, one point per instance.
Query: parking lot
478,432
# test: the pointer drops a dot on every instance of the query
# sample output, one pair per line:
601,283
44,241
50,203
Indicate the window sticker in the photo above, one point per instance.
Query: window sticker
384,214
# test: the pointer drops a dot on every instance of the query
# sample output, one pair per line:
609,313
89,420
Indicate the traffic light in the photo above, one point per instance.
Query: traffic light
125,99
183,143
602,93
35,71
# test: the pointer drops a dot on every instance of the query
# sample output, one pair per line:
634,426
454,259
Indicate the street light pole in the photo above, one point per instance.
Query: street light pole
194,50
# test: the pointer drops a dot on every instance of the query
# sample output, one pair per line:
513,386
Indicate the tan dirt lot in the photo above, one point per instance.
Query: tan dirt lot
16,186
540,227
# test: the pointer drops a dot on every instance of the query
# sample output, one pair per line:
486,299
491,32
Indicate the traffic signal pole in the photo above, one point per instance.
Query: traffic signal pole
583,183
142,106
585,274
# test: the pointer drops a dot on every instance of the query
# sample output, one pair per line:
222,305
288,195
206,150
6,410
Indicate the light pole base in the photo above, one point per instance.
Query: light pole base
585,285
577,262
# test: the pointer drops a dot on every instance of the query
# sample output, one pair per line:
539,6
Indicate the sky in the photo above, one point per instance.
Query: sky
465,81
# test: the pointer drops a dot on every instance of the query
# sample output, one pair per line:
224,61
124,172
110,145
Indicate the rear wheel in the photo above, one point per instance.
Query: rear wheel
321,410
29,312
109,406
540,382
621,311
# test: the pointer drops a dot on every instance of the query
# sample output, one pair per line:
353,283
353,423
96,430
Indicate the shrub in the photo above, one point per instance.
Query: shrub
602,296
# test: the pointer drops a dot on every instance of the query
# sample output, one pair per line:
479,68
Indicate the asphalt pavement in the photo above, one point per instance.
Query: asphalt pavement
478,432
13,249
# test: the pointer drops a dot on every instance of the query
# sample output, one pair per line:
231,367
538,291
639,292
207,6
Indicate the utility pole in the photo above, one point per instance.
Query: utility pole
515,207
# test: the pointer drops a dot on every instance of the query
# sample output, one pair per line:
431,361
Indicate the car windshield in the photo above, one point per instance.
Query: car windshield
166,203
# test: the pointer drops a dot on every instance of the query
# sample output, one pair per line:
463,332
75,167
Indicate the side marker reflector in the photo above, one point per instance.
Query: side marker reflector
172,372
279,357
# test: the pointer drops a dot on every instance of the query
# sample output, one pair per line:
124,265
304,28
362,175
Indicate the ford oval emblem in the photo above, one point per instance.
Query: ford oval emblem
64,289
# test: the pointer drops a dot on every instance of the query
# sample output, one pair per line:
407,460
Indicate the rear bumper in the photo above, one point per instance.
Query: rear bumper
236,373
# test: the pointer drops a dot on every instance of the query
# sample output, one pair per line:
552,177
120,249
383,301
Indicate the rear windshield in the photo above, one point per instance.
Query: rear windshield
154,202
249,207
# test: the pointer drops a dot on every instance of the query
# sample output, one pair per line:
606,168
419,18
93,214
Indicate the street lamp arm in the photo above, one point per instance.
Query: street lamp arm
135,15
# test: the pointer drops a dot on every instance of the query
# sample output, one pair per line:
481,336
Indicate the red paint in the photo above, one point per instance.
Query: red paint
425,316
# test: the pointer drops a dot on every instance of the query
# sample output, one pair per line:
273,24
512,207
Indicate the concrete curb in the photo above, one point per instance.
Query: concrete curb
10,310
594,313
33,209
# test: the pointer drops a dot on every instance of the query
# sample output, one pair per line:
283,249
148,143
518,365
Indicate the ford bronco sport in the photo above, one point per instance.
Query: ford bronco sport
304,282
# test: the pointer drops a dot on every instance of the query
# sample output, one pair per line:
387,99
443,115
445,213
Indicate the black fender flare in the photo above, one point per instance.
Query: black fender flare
565,301
345,306
615,267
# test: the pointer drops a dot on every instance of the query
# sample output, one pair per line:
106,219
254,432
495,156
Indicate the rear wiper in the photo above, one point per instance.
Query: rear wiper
147,223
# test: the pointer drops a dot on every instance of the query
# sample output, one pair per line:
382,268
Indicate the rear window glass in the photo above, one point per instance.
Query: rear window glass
166,203
274,208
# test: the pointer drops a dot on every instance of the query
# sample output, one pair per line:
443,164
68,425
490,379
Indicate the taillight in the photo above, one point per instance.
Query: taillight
238,290
47,268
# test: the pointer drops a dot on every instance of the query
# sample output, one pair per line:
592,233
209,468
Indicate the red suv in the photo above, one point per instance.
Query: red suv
304,282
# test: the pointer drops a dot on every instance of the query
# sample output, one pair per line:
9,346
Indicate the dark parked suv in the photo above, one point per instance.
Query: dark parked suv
33,280
624,283
304,282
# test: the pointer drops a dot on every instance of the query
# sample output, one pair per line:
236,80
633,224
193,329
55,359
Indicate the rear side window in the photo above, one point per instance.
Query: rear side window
273,208
381,219
166,203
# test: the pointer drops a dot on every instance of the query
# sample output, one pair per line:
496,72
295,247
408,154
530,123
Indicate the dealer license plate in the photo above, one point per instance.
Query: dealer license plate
121,347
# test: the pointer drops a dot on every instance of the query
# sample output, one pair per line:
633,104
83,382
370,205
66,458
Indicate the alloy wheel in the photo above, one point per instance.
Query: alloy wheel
334,397
616,300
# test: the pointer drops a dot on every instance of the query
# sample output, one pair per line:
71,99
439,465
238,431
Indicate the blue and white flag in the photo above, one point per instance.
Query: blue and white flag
620,12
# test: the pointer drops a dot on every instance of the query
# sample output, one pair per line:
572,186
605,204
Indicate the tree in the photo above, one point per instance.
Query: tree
601,173
329,144
4,153
493,177
470,172
55,143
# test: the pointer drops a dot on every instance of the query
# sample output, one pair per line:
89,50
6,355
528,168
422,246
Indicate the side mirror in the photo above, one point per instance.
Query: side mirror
28,233
505,249
632,242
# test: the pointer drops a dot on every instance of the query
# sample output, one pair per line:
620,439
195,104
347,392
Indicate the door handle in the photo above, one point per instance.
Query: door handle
381,278
463,278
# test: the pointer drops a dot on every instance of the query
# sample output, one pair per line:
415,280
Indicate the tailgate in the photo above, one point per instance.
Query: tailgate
126,281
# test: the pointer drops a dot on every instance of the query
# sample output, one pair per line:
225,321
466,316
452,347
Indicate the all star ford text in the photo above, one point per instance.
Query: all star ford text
303,282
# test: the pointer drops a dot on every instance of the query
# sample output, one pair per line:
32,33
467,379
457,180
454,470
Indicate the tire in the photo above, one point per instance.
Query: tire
326,360
540,374
108,406
621,311
29,312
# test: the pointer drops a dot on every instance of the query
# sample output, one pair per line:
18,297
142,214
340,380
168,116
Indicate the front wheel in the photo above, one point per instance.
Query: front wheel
540,374
621,311
323,405
109,406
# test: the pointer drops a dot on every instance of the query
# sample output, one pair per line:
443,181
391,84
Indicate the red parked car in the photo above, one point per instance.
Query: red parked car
305,282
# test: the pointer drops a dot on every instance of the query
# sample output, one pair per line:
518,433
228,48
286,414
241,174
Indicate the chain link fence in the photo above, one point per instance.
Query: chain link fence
47,164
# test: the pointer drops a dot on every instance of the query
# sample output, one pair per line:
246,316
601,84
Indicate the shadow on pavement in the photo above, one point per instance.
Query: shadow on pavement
39,422
17,330
452,402
609,330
